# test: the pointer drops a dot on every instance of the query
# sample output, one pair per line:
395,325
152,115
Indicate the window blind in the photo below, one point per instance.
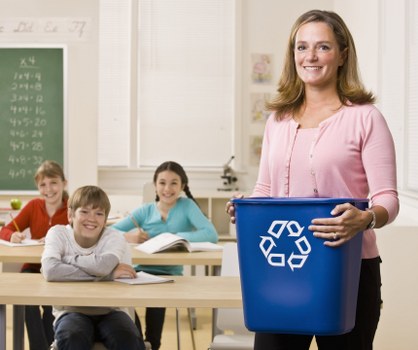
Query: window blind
186,81
114,83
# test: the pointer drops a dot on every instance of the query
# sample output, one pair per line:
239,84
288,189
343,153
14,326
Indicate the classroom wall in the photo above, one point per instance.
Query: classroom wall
82,71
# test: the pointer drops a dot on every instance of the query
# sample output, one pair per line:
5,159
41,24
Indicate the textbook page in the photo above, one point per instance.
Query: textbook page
144,278
169,241
24,243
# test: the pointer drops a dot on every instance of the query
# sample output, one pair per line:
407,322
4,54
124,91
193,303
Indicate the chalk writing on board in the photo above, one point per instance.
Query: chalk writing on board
31,101
25,118
62,28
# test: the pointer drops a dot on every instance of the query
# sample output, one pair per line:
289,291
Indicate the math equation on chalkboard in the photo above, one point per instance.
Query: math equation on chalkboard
31,111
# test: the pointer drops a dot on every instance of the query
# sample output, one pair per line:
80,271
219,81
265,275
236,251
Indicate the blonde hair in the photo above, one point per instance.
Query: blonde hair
291,89
49,168
89,195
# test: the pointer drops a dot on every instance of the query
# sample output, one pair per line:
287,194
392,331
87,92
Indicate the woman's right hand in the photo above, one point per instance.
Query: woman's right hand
230,209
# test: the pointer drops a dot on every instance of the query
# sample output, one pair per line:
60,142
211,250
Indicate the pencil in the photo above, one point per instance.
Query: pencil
14,222
134,221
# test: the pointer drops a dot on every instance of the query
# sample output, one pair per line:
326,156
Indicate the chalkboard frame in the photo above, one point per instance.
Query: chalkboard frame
64,49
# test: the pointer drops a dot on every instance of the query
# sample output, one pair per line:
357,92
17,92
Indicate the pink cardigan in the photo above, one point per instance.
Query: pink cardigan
352,155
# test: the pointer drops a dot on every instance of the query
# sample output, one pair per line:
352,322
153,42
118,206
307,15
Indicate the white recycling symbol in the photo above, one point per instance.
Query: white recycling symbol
294,230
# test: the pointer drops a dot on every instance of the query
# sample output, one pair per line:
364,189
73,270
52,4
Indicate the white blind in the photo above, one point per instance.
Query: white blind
114,83
412,100
186,81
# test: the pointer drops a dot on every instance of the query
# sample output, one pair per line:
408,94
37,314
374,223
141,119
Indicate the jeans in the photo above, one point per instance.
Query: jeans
76,331
154,322
38,324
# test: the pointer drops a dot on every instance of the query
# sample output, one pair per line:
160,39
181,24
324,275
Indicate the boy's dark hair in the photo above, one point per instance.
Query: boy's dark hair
89,195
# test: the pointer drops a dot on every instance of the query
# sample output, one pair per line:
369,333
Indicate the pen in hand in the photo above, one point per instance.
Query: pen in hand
17,237
142,236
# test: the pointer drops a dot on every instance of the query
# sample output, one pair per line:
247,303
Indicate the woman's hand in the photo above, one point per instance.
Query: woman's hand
230,209
124,271
139,236
348,221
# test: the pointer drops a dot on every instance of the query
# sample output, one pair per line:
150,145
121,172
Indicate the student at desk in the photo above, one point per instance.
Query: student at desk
86,250
169,213
39,215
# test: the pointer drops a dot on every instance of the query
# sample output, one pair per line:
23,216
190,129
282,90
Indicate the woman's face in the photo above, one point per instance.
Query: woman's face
168,187
317,55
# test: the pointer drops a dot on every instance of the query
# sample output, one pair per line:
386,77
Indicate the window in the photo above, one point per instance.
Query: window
171,94
114,83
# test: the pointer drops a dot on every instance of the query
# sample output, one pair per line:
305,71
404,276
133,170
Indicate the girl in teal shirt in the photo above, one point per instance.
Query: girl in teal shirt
169,213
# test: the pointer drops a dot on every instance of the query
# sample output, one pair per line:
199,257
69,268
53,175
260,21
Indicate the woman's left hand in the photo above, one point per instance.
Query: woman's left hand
346,223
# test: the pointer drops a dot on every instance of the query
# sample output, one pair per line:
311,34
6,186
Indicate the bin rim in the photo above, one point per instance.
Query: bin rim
296,200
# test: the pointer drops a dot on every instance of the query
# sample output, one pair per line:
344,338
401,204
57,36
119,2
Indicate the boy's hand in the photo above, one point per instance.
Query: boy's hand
124,271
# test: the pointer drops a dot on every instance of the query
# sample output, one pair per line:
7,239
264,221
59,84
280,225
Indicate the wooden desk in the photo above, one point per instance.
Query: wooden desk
22,289
32,254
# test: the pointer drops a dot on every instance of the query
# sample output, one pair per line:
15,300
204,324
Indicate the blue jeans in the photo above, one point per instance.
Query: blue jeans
116,330
38,323
154,322
39,326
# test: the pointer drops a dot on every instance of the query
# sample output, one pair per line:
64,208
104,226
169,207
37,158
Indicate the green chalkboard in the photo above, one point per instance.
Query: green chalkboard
31,113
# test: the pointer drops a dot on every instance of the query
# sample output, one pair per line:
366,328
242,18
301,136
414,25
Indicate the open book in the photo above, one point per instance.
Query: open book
169,241
144,278
24,243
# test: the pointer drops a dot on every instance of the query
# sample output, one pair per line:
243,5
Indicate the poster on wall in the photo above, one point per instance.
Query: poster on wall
258,110
255,149
261,68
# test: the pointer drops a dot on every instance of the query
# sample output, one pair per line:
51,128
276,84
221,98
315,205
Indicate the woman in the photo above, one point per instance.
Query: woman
326,139
173,213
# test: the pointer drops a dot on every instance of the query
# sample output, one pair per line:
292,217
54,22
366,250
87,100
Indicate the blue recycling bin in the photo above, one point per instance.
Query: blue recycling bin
292,283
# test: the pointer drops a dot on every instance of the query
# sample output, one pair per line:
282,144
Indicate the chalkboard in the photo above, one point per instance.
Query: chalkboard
31,113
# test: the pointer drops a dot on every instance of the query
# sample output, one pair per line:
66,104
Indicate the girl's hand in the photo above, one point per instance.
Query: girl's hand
17,237
348,221
124,271
230,209
139,236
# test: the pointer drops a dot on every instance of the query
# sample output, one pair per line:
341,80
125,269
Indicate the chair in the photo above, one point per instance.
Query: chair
230,322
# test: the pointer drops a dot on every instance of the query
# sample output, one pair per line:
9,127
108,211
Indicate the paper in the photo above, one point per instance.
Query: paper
24,243
168,242
144,278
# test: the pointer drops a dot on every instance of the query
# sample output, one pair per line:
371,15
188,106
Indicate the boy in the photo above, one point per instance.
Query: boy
85,250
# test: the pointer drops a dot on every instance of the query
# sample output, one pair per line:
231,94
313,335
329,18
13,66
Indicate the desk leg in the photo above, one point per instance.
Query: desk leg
2,327
215,330
18,327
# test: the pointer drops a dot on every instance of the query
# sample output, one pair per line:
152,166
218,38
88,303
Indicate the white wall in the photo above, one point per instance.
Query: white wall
397,327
